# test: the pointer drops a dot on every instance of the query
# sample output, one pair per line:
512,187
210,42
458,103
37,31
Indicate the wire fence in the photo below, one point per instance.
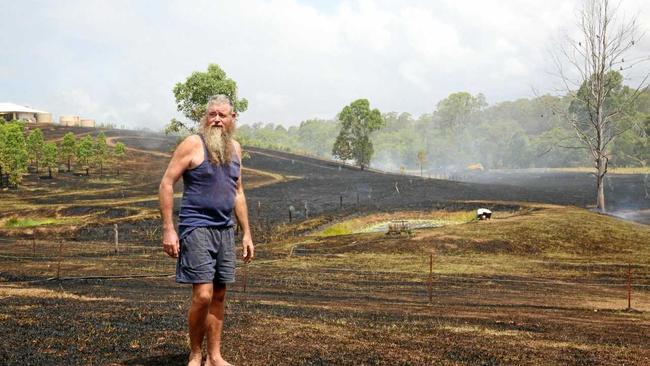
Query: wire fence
318,279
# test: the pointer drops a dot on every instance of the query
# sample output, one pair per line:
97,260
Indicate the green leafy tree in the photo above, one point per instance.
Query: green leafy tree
554,148
192,96
3,152
14,152
119,152
317,136
632,148
396,149
100,151
501,144
50,153
69,147
453,120
84,152
457,110
35,146
358,121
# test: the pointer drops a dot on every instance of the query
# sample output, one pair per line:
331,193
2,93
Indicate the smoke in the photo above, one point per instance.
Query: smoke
640,216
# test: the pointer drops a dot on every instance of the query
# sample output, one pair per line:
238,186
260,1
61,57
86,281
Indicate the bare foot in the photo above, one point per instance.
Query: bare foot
216,361
195,359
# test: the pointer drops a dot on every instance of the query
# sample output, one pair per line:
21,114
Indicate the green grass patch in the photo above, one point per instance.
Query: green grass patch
15,222
379,222
343,228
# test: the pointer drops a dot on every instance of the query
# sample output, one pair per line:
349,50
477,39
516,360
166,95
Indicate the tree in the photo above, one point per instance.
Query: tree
84,152
35,146
3,152
453,117
192,96
594,60
100,151
317,136
455,112
631,148
357,122
501,144
14,152
50,152
119,152
68,147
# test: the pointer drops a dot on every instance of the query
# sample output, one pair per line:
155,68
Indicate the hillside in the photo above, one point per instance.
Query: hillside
543,282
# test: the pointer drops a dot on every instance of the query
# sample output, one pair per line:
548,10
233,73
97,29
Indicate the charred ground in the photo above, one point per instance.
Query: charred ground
541,283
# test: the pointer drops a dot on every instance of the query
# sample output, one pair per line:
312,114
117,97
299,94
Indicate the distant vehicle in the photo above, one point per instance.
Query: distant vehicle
475,167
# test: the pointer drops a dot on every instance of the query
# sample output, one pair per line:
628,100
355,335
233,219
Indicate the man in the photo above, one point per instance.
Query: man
210,164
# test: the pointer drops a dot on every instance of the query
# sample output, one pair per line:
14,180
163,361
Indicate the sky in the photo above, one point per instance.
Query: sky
117,61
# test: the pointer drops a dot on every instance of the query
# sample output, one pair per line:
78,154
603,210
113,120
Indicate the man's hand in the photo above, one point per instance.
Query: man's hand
170,243
249,250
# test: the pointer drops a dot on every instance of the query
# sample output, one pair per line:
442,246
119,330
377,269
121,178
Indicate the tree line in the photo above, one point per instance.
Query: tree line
22,148
465,130
461,131
598,121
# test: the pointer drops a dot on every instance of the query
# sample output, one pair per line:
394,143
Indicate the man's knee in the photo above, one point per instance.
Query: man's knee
219,293
202,295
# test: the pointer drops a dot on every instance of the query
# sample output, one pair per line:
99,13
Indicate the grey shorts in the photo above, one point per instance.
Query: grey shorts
207,255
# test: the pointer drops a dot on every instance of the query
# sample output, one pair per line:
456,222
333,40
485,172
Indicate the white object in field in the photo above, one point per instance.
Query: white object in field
483,213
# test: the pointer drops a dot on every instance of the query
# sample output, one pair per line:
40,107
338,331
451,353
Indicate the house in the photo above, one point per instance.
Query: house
11,111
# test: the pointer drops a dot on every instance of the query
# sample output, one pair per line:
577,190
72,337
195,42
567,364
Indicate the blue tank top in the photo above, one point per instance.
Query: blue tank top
208,194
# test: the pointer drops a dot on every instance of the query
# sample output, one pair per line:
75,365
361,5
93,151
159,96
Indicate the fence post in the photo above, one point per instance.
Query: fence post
58,266
629,286
290,218
340,201
115,234
430,278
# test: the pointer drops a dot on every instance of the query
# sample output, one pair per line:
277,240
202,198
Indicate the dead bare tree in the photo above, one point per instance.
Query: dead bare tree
590,68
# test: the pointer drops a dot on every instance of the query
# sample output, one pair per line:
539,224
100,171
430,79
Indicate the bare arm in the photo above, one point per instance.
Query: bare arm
241,212
180,161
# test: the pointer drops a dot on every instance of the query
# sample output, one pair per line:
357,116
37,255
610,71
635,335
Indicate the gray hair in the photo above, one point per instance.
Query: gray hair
220,99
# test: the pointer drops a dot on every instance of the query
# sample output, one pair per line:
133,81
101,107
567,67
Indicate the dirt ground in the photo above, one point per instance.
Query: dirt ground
543,282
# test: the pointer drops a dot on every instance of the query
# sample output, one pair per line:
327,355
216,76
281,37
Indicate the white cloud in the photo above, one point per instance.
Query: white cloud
292,59
271,103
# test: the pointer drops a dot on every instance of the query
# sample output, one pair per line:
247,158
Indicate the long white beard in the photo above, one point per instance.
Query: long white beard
219,144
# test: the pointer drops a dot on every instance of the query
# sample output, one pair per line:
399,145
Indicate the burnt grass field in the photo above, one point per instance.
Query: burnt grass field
545,282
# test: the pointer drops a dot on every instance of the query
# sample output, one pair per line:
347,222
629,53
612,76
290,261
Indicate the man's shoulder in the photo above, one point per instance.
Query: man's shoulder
190,143
192,140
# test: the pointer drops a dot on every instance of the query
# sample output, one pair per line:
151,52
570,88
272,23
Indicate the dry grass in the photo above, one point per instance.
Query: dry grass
40,293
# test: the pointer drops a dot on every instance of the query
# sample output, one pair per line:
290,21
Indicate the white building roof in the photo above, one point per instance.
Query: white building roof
11,107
